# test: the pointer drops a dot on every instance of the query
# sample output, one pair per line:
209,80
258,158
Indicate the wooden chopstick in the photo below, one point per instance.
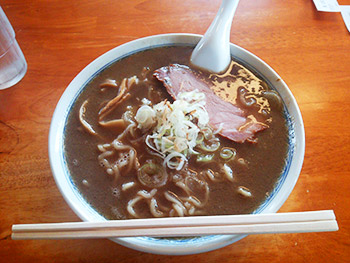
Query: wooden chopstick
183,221
296,222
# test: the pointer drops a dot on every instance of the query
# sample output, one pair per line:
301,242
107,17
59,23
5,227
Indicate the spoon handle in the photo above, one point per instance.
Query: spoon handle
213,50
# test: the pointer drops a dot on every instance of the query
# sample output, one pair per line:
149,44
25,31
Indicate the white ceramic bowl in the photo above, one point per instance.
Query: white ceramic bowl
185,245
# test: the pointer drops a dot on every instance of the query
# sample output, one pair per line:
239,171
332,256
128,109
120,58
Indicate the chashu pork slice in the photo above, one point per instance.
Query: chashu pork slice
224,116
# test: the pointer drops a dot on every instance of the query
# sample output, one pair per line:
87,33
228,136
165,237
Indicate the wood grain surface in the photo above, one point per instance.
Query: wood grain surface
309,49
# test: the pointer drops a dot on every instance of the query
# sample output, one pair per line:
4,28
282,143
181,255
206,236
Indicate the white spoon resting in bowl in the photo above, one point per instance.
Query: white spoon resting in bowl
212,53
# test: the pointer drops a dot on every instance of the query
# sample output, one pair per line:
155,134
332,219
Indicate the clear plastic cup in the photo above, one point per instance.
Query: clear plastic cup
13,65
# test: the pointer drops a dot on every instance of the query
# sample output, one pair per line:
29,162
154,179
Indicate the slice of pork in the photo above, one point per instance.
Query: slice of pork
224,116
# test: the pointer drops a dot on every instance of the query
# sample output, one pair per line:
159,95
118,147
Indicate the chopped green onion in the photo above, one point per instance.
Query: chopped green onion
204,158
227,153
149,168
152,175
200,138
212,146
207,133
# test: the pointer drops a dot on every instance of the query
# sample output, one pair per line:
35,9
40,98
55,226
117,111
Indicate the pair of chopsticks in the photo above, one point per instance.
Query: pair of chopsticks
296,222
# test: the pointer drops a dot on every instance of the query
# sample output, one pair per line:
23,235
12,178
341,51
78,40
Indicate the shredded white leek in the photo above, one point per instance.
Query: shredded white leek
145,117
174,127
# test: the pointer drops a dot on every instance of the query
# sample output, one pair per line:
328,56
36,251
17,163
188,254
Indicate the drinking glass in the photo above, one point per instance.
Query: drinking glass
13,65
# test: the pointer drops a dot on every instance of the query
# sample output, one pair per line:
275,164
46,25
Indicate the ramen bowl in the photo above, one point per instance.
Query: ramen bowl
184,245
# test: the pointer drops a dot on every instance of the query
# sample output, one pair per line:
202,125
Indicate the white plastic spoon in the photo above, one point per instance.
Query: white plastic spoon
213,50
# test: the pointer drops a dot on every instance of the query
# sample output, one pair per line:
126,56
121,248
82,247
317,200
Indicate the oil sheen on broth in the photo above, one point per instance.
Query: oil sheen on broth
229,178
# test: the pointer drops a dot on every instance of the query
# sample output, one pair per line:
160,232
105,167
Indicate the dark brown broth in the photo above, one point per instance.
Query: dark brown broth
265,160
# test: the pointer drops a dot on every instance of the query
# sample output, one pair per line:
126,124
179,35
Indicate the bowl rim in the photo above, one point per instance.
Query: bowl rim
58,121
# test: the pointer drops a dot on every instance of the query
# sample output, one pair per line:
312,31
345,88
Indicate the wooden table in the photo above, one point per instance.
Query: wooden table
309,49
